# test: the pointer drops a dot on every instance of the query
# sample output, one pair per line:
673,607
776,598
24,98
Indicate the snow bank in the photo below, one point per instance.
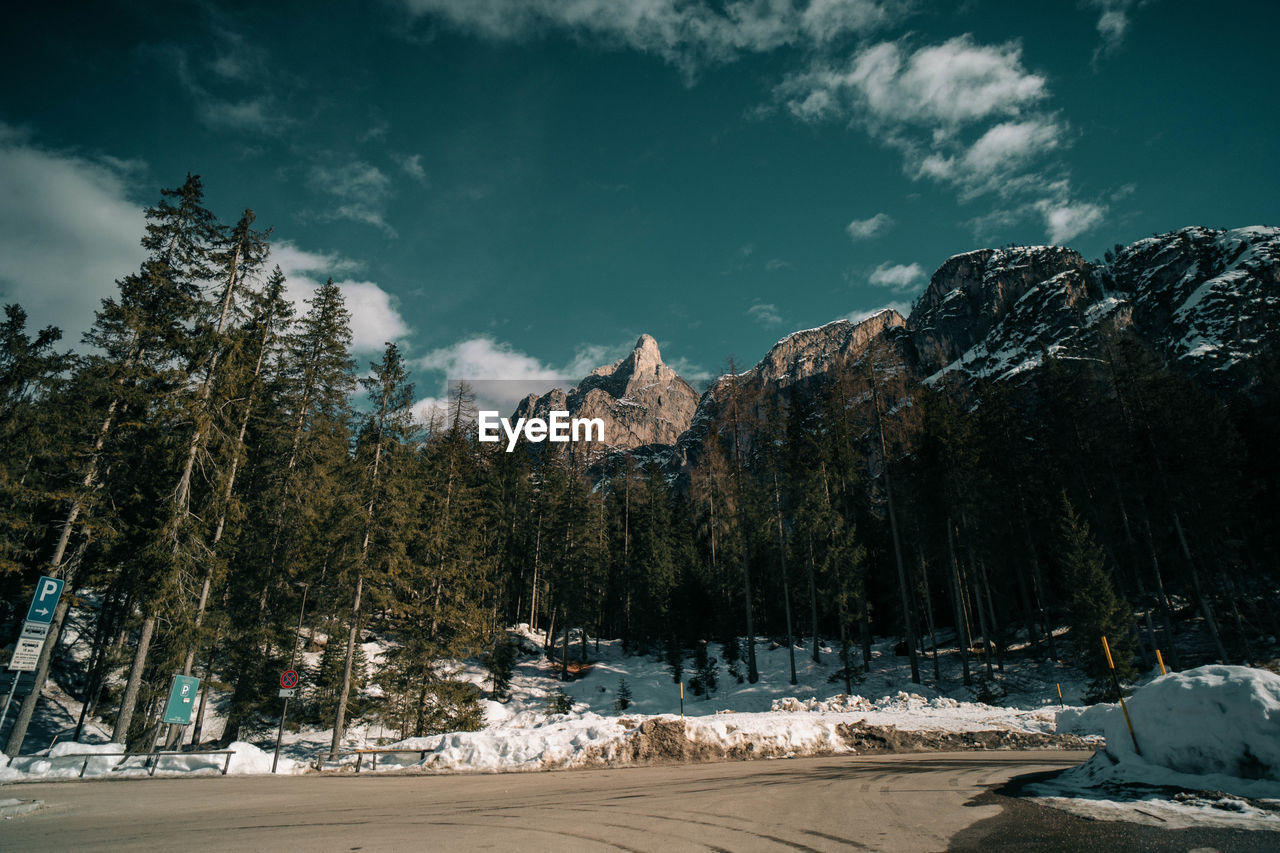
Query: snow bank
562,740
66,760
1213,728
1213,720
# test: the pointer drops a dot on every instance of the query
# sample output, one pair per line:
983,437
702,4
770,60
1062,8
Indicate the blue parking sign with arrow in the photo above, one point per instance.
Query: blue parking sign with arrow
48,591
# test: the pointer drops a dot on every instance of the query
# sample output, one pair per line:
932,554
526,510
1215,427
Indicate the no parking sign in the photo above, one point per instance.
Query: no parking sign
288,682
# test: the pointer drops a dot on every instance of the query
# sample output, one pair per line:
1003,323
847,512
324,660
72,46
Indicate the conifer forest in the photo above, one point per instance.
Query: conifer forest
221,482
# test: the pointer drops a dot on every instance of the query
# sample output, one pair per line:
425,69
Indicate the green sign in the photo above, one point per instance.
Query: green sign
182,700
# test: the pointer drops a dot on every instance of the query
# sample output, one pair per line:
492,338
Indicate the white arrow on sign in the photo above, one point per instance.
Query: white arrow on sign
43,611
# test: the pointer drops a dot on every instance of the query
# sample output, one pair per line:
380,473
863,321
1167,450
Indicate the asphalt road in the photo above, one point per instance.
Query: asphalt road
892,802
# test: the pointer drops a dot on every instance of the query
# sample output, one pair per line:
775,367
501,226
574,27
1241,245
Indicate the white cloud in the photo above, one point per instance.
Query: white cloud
865,229
296,261
411,165
996,160
375,313
898,277
903,308
256,112
765,314
237,60
941,86
587,357
967,115
483,358
687,34
68,230
360,192
1066,220
1113,24
959,112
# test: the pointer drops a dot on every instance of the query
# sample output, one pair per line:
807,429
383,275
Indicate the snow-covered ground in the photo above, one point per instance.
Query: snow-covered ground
770,718
1214,729
1210,753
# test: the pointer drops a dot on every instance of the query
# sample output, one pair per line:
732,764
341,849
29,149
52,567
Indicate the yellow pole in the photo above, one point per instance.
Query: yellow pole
1107,648
1160,660
682,700
1060,702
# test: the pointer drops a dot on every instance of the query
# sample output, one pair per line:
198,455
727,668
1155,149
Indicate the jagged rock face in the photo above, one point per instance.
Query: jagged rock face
801,355
1204,299
971,293
1209,299
640,399
796,358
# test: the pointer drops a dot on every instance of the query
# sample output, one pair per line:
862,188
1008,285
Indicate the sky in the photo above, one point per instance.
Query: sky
515,188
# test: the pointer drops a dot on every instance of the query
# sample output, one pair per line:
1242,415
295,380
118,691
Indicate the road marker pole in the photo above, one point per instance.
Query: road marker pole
8,699
1061,704
682,700
1160,660
1116,682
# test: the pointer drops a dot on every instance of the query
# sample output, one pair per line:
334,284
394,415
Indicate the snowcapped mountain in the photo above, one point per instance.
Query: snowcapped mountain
1207,301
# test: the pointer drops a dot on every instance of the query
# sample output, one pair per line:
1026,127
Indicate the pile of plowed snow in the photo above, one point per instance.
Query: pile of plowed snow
1214,728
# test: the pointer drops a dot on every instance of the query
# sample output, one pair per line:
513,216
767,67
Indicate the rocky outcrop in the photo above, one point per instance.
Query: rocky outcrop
971,293
641,400
796,360
1205,300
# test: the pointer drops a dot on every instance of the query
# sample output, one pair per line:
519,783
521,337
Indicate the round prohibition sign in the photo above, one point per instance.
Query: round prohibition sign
289,679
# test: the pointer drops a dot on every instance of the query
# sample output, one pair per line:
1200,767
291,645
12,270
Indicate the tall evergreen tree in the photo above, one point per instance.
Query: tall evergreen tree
1095,611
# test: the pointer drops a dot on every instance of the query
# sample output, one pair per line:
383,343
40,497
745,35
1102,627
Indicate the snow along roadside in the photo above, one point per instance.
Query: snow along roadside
841,725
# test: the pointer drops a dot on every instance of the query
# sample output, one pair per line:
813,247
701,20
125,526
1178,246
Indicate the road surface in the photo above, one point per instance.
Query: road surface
889,802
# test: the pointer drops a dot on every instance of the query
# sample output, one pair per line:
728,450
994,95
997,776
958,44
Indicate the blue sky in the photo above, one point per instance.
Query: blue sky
522,187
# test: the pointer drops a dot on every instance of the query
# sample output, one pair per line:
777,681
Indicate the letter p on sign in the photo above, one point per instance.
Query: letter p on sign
43,603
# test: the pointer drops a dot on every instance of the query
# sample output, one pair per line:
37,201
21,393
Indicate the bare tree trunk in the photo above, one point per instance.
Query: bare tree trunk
928,612
344,694
1206,608
908,626
1036,581
1166,607
786,584
340,717
813,603
753,672
962,634
121,731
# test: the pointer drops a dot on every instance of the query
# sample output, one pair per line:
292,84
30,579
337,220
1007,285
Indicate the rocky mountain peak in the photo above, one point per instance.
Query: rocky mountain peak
640,398
972,292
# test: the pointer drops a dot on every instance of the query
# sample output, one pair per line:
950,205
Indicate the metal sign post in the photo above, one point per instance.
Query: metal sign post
35,630
288,686
289,679
181,702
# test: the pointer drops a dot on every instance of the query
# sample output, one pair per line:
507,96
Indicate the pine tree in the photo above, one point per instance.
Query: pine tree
706,679
386,433
500,661
141,350
1095,611
30,435
623,700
